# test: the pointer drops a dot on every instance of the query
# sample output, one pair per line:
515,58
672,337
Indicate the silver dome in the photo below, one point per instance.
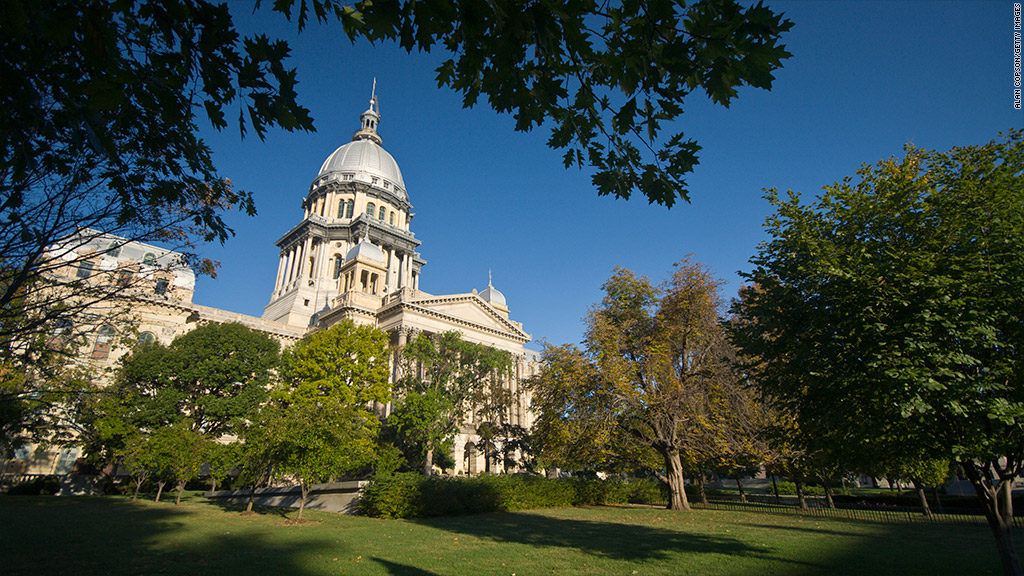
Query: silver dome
366,249
364,157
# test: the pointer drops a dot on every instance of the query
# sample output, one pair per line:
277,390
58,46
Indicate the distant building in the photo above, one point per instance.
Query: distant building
352,255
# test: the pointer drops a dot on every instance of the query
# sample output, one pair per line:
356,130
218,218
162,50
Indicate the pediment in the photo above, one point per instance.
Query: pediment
466,309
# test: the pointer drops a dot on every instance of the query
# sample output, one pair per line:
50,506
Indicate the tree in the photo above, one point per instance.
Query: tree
214,377
177,452
137,459
606,76
319,425
320,441
99,135
890,308
222,461
654,384
345,361
446,378
416,426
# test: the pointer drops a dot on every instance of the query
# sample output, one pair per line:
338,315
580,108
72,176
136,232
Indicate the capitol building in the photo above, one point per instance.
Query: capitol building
351,255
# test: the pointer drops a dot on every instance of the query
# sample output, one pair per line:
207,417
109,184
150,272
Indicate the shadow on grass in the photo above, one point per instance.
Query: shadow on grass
239,507
75,536
807,529
396,569
614,540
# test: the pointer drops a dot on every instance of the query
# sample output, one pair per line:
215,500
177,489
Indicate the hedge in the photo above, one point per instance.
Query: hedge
409,495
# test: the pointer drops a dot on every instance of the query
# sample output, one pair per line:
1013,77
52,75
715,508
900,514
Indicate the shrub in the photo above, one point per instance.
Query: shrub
644,491
411,495
392,496
38,486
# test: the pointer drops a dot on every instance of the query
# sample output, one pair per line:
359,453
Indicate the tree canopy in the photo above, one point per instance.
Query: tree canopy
606,77
100,132
888,311
345,362
654,385
443,380
213,376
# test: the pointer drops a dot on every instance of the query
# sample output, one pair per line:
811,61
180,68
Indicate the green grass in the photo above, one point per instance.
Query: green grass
110,535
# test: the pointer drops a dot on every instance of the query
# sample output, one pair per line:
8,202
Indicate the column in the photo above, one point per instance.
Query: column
280,271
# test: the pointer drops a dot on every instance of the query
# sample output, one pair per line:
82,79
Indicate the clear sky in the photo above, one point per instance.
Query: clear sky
864,79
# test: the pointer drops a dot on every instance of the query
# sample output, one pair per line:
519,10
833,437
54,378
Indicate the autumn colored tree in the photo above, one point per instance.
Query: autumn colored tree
654,384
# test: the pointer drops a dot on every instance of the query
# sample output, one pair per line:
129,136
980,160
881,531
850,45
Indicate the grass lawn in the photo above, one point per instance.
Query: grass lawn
111,535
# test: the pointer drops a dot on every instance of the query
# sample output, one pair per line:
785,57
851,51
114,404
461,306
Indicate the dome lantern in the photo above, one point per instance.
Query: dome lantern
365,160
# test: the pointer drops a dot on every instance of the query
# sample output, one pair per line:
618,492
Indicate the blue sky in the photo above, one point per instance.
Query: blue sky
864,79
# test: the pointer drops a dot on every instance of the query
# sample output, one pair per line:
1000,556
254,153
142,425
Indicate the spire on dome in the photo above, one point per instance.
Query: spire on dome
370,119
491,294
374,105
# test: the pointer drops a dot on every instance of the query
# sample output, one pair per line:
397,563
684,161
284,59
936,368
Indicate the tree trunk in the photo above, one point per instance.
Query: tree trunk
996,498
181,488
739,486
159,490
302,503
700,488
138,486
252,496
919,488
674,474
213,483
428,466
894,485
800,494
828,493
938,501
775,487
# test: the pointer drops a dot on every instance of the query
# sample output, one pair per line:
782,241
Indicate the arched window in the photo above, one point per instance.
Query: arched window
149,259
337,266
391,220
147,338
383,212
349,207
104,336
341,209
370,208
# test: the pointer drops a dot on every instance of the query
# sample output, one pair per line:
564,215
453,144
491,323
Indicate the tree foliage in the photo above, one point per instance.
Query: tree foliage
345,362
889,312
654,386
100,132
319,441
213,376
445,379
608,77
320,424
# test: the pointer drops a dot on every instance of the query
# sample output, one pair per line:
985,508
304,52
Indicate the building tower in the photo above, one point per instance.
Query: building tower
357,198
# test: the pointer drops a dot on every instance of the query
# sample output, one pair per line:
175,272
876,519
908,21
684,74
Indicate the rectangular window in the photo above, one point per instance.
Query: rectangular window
84,269
161,287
